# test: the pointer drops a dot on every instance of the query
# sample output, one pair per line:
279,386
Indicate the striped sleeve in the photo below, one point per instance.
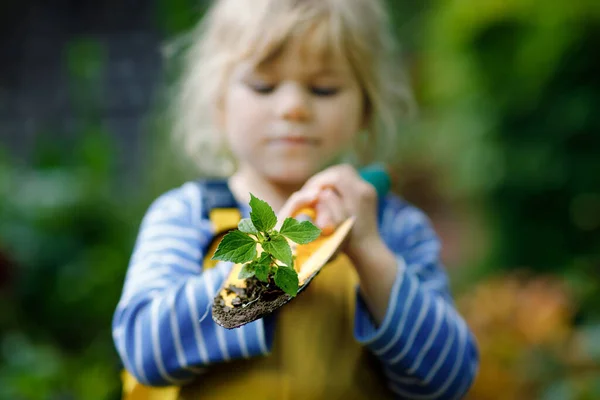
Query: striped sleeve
426,349
162,327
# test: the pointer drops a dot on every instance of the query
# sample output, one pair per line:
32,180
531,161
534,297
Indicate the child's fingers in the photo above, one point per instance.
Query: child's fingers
334,204
330,211
341,178
324,220
303,198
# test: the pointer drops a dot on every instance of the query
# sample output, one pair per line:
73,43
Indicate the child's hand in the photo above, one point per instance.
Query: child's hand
338,193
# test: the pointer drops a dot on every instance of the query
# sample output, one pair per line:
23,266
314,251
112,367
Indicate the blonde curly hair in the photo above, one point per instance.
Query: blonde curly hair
236,30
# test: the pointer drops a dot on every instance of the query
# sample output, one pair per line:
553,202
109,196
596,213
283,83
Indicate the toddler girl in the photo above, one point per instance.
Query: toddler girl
284,99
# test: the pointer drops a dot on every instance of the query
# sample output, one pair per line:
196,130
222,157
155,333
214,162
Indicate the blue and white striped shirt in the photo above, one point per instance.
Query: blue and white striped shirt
165,335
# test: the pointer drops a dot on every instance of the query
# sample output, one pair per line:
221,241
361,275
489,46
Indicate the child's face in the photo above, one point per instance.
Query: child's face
288,118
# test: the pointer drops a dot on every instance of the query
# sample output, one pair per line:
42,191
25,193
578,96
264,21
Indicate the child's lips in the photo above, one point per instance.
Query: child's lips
293,141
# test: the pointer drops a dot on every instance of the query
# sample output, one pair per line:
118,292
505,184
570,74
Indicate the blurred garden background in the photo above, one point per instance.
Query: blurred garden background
504,156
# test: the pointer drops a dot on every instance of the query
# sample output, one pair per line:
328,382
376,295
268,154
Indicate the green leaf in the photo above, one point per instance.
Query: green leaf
262,267
279,248
299,232
287,280
236,247
247,271
262,215
246,226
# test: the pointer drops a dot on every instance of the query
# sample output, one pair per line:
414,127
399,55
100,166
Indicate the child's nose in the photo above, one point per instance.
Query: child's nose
293,103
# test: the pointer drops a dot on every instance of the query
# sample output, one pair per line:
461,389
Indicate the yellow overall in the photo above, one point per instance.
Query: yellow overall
314,353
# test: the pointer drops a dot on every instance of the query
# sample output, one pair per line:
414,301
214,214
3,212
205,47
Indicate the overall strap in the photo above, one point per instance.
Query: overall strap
219,205
216,194
221,208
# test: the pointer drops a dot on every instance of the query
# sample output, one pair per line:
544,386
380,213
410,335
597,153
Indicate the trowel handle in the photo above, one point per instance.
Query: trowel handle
377,176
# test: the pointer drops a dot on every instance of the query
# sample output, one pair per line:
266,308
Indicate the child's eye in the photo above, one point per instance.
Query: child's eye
262,88
324,90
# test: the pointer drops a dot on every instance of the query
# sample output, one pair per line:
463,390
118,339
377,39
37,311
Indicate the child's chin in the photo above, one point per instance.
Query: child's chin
294,175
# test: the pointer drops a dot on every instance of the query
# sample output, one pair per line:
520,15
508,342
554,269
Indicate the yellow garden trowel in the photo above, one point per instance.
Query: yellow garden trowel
230,311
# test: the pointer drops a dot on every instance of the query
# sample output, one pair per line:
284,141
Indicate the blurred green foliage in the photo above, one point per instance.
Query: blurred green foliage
507,90
511,88
66,235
